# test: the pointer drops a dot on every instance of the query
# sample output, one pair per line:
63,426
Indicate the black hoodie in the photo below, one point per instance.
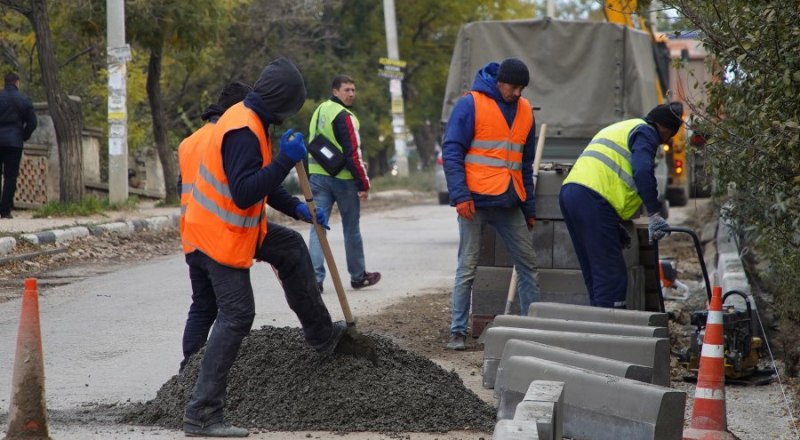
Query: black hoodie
278,94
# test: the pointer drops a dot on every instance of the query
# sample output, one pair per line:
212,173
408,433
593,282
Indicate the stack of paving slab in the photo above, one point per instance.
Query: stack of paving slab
613,367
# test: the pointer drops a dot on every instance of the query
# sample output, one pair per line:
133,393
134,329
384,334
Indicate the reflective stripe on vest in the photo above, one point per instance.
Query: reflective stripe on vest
190,152
495,156
214,224
322,124
605,167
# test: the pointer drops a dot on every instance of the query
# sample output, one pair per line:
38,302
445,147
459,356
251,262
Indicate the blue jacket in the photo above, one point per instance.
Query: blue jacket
644,143
17,118
458,138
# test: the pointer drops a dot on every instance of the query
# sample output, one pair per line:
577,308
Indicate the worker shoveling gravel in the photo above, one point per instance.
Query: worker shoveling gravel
279,384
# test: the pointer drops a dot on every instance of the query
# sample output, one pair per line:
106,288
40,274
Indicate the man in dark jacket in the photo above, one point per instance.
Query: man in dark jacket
236,175
17,122
610,181
488,152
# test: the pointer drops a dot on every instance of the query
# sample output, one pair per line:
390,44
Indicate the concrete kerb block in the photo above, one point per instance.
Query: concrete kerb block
517,347
7,245
725,239
729,262
69,234
599,406
544,403
117,228
649,352
570,325
597,314
515,430
161,223
542,413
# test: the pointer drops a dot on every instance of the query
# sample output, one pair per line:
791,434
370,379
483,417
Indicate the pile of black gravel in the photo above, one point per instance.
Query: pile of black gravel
279,384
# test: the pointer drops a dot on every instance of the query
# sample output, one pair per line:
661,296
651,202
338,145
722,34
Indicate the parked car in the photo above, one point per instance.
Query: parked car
440,180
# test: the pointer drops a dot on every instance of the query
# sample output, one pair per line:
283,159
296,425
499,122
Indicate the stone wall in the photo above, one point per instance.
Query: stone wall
38,182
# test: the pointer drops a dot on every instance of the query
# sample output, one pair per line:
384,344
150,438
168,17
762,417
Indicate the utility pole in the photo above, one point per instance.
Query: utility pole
118,54
396,91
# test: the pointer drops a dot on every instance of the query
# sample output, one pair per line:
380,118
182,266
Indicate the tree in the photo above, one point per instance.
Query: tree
754,124
66,113
181,27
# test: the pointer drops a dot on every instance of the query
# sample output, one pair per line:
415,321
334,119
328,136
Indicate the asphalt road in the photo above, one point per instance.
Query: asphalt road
116,337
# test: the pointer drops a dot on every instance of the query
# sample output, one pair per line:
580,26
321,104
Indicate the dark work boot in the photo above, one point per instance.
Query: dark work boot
458,341
219,429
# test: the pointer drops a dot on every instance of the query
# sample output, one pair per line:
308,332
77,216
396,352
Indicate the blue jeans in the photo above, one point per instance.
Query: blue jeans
511,226
594,227
327,191
284,249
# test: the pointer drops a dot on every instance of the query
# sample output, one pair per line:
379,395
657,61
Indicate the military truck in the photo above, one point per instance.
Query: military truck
585,75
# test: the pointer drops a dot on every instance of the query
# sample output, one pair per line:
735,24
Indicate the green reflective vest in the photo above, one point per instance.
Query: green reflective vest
605,167
322,124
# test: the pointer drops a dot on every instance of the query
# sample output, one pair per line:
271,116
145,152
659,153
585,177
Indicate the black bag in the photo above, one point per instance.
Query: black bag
327,155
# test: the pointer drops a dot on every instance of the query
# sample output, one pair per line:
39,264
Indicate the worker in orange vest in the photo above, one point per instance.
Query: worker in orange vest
488,153
226,223
203,310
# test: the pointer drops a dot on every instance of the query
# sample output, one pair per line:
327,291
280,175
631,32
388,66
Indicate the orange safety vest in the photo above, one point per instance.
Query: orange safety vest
214,224
190,153
495,155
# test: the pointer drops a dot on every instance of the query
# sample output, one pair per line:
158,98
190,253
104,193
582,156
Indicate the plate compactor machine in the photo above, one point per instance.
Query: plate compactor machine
742,340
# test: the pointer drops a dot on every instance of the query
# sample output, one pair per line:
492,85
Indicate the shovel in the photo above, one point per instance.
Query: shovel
302,177
352,341
537,159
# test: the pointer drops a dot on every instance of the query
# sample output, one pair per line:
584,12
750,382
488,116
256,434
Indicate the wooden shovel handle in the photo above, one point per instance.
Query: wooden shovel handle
302,177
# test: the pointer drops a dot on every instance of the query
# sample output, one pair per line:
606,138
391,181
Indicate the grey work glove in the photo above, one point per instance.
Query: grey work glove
658,228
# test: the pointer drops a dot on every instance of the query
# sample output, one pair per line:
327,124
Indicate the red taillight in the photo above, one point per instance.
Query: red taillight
698,140
678,166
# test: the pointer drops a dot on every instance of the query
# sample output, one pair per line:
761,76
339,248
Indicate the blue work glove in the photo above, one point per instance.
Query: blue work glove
293,145
658,228
304,214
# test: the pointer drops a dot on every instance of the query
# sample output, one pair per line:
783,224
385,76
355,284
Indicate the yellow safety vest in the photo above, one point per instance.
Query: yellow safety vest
322,124
605,167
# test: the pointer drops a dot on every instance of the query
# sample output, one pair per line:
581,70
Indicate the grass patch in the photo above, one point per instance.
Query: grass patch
416,181
85,208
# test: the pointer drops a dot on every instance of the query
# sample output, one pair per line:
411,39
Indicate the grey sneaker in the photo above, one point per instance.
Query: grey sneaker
219,429
458,341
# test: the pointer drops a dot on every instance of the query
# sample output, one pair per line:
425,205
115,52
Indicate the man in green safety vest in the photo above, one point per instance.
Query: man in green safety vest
334,120
608,184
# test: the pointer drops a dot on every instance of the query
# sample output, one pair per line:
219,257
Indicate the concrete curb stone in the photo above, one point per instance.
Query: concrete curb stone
8,244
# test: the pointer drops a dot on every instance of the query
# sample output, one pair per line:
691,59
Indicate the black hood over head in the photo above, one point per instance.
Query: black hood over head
282,90
231,94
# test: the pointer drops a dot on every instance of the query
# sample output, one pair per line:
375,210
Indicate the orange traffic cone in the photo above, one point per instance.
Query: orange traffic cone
27,415
709,421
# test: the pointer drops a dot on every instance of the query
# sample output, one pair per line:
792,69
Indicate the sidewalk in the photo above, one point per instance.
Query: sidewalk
38,231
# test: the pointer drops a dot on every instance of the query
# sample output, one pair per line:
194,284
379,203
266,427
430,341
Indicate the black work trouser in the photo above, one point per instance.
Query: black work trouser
10,158
203,310
287,252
